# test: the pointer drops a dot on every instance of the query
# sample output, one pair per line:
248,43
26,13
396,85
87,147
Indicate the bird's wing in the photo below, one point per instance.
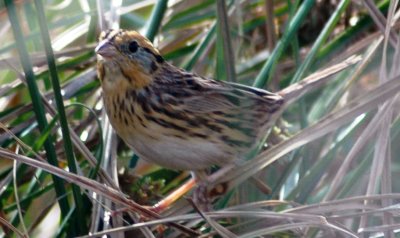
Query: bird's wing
216,96
232,115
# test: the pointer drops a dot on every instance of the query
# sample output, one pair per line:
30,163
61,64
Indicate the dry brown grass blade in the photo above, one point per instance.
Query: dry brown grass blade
39,59
314,81
335,205
222,231
363,138
85,183
330,123
380,175
380,21
11,227
270,26
307,220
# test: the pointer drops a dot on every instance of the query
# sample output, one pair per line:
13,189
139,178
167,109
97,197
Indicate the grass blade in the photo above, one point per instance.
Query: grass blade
37,105
69,151
223,27
155,19
268,69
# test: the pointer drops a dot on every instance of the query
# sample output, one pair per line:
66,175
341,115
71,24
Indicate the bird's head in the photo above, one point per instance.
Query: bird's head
129,51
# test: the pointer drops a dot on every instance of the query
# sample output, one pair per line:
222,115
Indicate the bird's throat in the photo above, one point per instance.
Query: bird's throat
116,78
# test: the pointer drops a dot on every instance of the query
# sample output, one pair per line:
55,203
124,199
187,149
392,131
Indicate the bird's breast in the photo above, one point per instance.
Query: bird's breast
126,115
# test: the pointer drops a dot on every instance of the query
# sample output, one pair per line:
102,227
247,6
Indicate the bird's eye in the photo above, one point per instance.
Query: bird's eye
133,46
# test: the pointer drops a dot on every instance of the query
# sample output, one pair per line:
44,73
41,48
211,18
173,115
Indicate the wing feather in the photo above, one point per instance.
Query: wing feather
231,115
219,96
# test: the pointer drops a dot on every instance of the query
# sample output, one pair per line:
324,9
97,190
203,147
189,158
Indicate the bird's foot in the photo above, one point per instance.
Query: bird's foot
201,197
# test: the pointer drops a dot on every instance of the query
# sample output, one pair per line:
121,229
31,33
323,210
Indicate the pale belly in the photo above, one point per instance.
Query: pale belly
179,154
170,151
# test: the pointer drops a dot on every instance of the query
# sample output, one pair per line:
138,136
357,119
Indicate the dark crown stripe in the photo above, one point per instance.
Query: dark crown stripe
158,57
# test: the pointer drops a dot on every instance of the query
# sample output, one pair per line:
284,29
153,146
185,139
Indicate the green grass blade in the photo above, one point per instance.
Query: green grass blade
269,66
201,47
349,34
37,104
228,56
220,67
155,19
328,28
69,151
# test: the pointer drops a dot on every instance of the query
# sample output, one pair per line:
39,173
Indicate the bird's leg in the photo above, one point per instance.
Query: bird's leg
200,194
172,197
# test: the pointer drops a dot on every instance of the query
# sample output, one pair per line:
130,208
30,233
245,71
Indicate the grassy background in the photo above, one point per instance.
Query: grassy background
328,167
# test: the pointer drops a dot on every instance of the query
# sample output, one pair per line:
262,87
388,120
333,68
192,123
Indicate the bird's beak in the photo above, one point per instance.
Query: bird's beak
105,49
